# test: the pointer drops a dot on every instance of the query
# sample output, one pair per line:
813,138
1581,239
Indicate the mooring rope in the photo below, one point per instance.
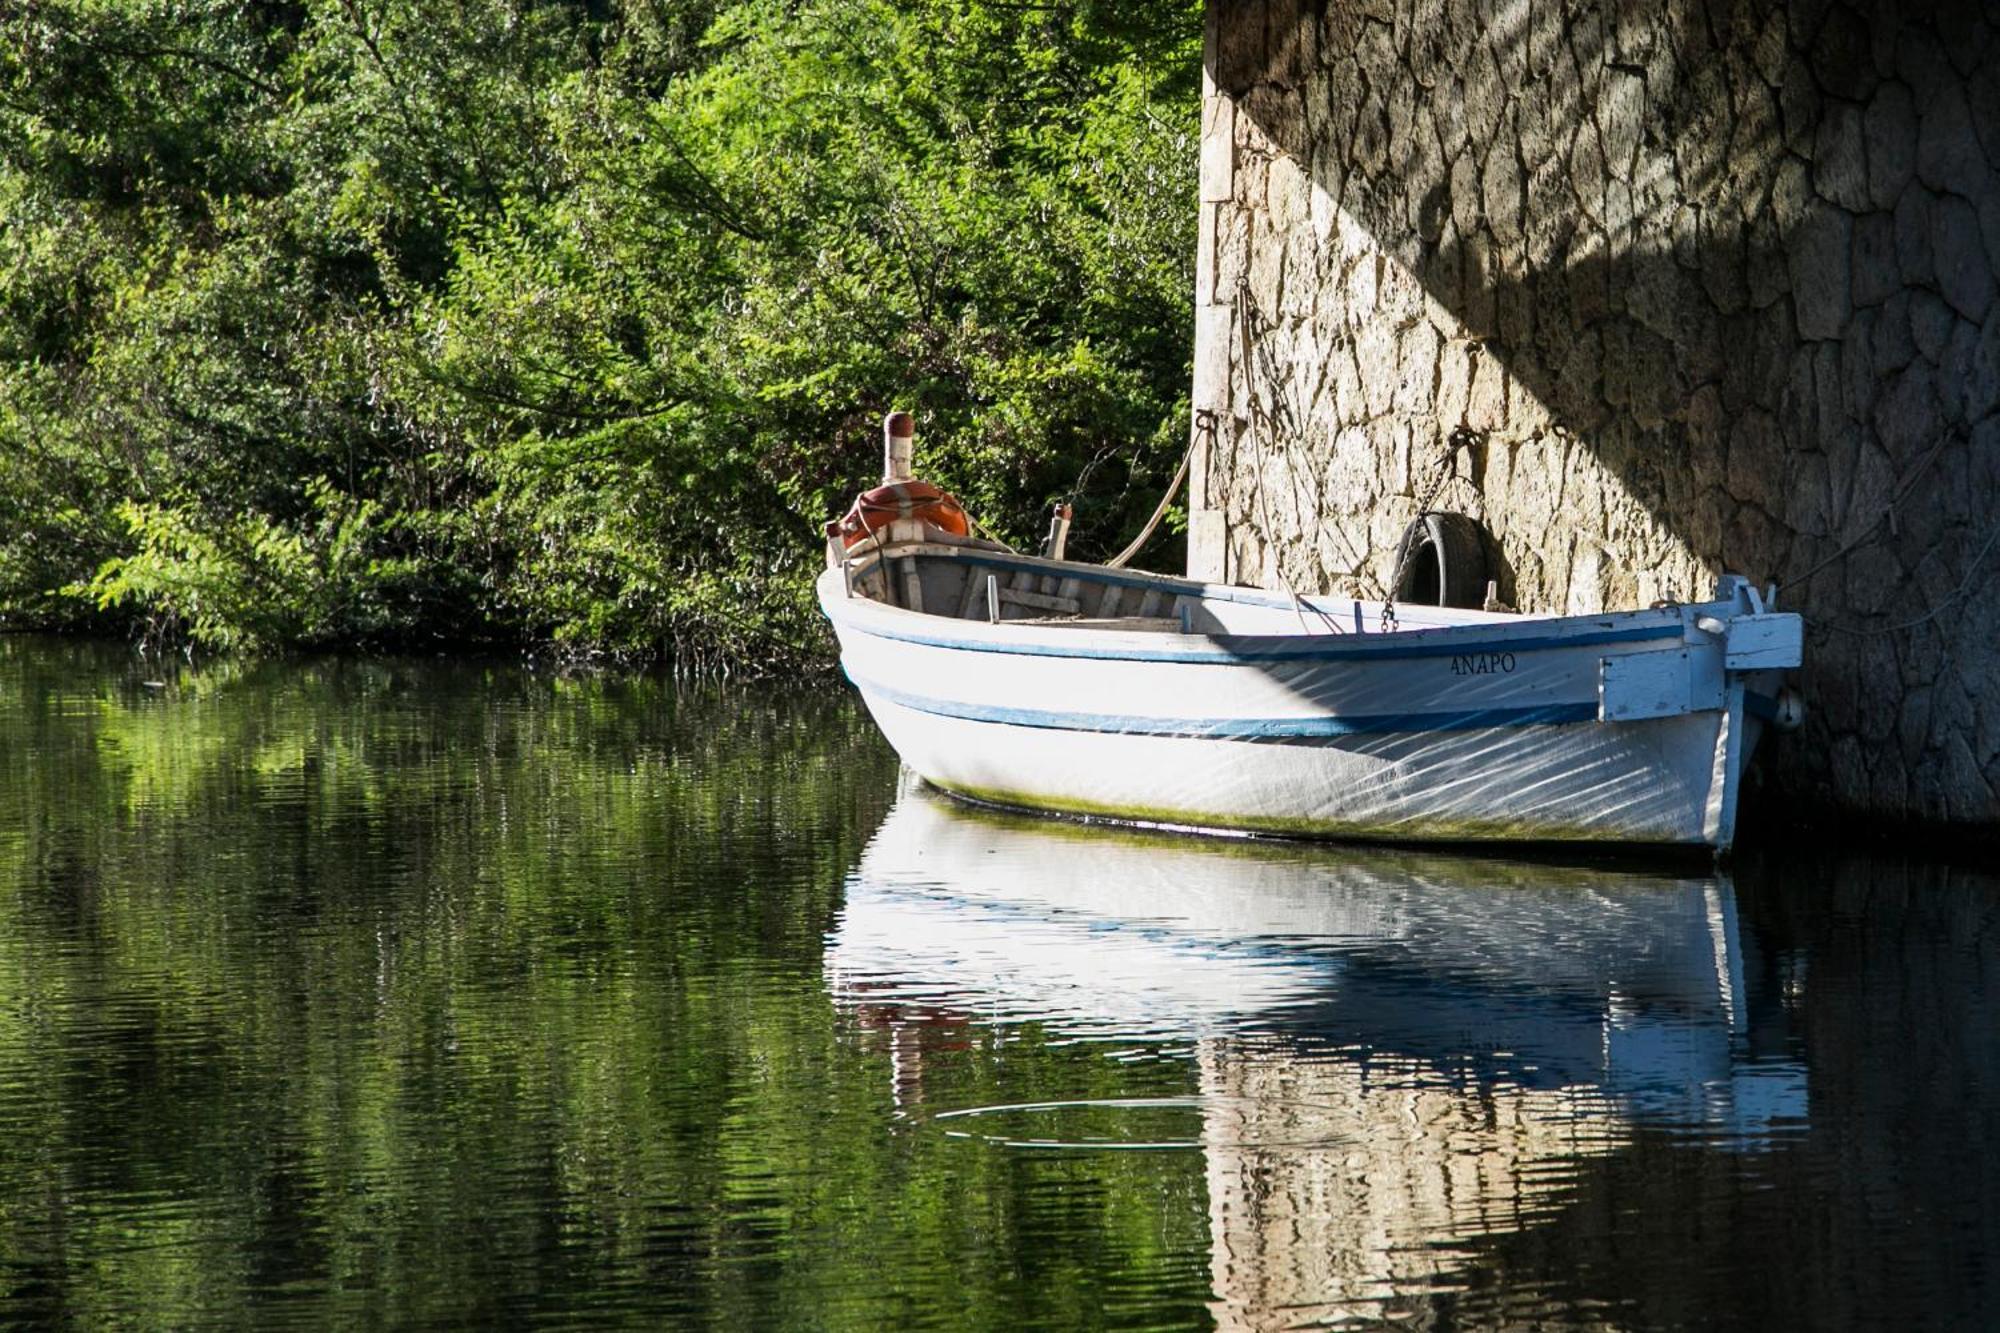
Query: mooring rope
1888,515
1951,598
1873,531
1204,422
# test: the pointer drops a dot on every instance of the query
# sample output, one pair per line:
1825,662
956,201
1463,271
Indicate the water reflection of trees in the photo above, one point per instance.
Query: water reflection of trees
405,993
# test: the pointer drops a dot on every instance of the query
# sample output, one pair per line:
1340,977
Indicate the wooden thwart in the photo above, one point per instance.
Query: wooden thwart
1041,601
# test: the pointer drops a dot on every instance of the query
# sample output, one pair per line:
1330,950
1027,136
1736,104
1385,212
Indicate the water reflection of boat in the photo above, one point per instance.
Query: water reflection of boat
1455,1036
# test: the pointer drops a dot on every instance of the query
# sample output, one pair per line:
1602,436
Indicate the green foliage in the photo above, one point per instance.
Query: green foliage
337,321
253,583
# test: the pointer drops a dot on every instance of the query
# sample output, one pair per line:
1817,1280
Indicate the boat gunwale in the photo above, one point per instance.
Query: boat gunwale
1031,639
1144,578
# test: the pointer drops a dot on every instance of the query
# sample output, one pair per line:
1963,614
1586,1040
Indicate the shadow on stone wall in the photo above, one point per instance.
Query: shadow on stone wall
1741,254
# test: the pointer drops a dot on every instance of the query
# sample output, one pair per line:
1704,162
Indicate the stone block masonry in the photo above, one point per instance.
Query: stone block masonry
1712,285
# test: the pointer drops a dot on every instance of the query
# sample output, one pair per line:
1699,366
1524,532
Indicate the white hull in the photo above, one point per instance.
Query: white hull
1260,717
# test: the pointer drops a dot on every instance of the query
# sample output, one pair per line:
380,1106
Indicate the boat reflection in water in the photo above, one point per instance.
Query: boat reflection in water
1400,1056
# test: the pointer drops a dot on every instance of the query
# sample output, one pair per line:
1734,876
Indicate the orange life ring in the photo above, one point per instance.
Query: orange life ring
877,509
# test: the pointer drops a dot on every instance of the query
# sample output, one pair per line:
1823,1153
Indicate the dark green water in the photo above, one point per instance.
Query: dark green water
421,994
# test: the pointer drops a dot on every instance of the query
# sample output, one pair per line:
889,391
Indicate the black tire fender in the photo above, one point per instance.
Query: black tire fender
1441,561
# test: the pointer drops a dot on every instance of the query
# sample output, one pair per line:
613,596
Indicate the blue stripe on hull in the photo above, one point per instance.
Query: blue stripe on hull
1239,728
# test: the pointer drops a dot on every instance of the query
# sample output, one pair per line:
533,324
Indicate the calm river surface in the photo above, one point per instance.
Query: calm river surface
431,994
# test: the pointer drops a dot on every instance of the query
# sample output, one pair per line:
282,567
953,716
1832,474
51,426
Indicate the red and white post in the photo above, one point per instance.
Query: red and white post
899,437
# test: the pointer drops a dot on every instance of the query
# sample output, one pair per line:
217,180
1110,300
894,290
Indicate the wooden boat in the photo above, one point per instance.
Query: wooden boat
1055,685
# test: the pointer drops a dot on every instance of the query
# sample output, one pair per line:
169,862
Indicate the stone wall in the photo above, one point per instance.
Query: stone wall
1710,284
